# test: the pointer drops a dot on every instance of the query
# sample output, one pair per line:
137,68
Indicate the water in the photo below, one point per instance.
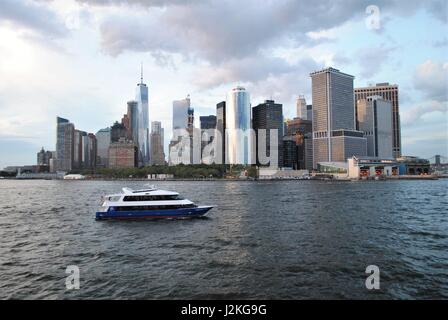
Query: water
283,240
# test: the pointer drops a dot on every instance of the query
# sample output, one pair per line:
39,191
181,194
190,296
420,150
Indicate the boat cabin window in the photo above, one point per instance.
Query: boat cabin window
114,198
149,208
152,198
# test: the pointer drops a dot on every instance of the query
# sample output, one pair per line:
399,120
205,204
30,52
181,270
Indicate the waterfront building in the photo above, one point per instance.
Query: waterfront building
301,108
290,158
221,128
268,116
43,157
409,165
371,167
122,154
374,119
298,129
388,92
334,136
142,141
157,136
64,144
103,143
238,126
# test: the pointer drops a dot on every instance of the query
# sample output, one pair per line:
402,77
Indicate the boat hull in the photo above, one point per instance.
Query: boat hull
184,213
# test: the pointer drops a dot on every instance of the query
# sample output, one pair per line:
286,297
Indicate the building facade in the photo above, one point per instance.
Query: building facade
298,130
122,154
221,129
238,125
141,96
301,108
334,117
157,136
388,92
43,157
374,119
268,116
64,144
103,143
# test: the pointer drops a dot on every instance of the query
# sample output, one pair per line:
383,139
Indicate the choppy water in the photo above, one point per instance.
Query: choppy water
284,240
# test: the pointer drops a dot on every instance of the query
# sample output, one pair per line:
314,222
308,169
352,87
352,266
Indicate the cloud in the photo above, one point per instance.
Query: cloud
32,16
371,60
432,79
420,112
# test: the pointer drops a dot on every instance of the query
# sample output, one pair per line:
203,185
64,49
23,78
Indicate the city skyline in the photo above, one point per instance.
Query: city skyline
93,89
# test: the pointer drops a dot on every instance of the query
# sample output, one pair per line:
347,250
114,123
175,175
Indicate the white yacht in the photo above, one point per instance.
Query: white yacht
148,203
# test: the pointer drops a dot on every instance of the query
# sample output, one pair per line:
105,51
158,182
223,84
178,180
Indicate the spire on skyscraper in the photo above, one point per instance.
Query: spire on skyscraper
141,72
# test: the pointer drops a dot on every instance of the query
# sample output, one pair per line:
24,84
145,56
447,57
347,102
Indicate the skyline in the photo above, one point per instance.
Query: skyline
95,66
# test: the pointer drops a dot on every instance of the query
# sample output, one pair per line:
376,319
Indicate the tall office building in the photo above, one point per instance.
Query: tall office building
141,97
132,113
103,143
221,128
299,130
207,122
301,108
374,118
388,92
268,116
238,125
77,149
43,157
64,144
309,112
334,136
157,136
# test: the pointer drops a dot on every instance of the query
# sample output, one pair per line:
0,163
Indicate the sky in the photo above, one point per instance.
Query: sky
80,59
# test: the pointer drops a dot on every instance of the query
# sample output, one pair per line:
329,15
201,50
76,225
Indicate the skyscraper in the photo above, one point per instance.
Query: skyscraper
157,136
132,113
221,127
207,123
388,92
103,143
374,118
268,116
238,125
334,134
141,97
64,144
299,131
301,108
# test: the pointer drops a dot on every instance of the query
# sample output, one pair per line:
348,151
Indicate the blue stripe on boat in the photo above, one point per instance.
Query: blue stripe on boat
154,214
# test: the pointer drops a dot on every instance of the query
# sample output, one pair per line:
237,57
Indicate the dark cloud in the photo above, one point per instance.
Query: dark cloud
32,16
223,30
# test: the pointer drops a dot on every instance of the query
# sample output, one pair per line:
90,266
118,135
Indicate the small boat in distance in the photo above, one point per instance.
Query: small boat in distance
150,203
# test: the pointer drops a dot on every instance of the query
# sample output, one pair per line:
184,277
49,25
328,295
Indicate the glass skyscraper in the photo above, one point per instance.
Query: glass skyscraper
238,137
141,97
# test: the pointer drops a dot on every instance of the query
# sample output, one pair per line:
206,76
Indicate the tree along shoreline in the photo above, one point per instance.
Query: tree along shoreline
194,172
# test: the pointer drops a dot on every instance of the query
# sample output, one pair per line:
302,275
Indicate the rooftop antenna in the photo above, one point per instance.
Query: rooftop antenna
141,72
